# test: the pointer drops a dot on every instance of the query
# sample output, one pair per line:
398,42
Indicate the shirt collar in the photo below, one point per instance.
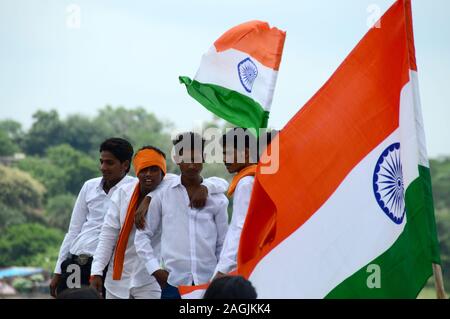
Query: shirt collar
177,181
124,180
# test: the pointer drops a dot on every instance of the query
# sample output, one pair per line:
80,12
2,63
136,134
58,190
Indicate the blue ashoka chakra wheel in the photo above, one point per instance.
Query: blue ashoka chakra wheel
388,184
248,72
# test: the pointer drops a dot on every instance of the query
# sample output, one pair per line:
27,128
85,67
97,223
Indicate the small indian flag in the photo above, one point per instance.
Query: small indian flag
237,76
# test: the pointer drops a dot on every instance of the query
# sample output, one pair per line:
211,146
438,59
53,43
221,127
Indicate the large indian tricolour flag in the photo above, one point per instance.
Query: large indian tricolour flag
349,214
237,76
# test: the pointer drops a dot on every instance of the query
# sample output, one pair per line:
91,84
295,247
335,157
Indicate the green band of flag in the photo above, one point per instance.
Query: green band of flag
230,105
406,266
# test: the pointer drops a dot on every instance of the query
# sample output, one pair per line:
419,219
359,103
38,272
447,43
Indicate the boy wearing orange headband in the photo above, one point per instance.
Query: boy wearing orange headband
191,239
127,276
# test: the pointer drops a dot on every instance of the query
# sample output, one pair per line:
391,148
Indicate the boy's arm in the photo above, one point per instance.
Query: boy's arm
215,185
141,211
211,185
108,236
79,214
221,220
143,238
228,257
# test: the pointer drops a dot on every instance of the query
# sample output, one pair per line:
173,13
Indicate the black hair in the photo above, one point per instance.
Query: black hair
120,148
84,292
230,287
195,139
271,135
241,139
266,139
189,140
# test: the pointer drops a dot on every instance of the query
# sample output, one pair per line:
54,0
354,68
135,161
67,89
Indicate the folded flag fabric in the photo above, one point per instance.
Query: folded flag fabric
357,217
237,76
193,292
197,291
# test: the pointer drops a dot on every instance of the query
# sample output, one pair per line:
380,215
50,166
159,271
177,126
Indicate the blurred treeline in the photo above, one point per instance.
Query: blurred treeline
43,168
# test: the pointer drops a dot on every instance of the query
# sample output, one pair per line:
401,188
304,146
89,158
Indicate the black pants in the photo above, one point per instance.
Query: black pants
170,292
85,274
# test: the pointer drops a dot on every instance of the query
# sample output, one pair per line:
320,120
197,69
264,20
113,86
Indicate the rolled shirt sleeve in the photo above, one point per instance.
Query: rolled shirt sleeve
228,257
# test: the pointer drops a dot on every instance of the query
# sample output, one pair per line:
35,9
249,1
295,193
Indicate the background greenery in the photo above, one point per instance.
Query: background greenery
37,192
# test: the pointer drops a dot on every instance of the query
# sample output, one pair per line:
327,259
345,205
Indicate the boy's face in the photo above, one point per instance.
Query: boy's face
234,160
111,167
149,178
190,163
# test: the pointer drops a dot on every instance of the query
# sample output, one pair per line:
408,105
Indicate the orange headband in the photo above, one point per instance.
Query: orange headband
146,158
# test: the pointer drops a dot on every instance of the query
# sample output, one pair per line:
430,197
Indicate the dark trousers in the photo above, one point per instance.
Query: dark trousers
170,292
67,275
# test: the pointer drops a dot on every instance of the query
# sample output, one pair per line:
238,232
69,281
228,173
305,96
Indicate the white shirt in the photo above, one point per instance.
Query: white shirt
241,201
134,273
87,219
191,239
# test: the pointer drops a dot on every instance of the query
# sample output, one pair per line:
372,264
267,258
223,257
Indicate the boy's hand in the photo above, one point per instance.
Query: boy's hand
161,276
141,212
199,198
54,284
219,275
97,283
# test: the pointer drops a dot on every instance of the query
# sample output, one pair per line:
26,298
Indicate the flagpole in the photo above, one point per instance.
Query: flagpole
439,282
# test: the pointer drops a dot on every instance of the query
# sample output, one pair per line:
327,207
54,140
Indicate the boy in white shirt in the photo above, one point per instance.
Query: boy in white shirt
191,239
240,153
127,276
80,242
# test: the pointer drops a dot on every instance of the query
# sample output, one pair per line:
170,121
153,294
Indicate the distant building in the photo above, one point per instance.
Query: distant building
12,272
9,277
8,160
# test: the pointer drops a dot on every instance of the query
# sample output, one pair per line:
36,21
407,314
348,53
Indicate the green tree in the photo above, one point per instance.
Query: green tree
10,216
47,259
63,169
14,130
77,167
82,134
58,211
22,285
43,170
47,130
443,227
136,125
7,146
440,176
19,244
20,192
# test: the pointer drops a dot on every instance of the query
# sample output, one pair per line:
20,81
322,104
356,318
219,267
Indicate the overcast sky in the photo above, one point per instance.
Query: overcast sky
131,53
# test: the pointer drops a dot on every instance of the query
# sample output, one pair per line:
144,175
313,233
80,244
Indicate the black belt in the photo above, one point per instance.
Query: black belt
81,259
